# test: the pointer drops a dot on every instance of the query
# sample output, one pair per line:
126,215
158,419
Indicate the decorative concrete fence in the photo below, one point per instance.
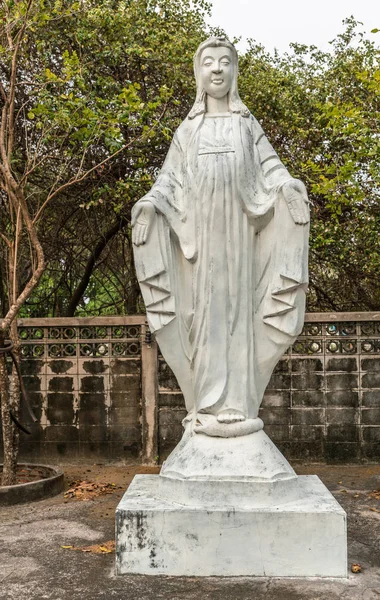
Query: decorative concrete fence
100,390
92,386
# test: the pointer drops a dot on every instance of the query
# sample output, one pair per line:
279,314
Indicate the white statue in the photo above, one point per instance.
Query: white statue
221,243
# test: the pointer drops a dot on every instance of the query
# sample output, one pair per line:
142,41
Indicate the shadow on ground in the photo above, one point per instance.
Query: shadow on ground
35,566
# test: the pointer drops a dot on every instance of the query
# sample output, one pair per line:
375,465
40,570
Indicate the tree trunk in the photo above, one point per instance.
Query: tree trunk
15,397
10,388
10,450
4,306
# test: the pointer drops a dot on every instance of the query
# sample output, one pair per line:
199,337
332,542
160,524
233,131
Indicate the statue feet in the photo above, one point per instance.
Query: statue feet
212,426
230,416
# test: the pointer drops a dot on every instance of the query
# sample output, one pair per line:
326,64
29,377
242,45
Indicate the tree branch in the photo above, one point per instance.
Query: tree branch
19,200
11,95
2,92
5,239
77,179
81,287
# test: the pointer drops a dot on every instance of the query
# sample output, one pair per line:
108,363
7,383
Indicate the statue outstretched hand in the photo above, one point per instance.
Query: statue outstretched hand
142,220
295,195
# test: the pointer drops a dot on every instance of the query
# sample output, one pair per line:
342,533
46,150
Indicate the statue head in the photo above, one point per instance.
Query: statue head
229,84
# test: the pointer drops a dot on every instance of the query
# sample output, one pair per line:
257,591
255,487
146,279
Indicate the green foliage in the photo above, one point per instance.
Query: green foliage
99,78
321,111
95,79
100,74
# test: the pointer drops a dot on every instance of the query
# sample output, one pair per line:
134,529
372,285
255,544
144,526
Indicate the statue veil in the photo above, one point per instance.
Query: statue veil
235,103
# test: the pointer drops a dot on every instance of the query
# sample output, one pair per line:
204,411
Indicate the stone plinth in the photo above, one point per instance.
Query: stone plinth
304,537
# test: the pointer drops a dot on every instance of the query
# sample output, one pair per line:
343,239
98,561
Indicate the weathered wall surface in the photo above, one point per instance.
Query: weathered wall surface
98,392
83,378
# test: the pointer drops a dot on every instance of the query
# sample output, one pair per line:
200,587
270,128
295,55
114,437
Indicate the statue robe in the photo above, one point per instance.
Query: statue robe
224,270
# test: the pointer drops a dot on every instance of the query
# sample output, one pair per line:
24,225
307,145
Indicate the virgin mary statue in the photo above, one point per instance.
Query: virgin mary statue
220,245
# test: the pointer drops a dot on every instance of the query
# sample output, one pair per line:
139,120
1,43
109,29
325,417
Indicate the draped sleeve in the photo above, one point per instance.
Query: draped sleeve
282,250
169,197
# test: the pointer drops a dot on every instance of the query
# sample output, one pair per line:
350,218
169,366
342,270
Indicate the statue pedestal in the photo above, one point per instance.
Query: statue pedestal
228,507
305,538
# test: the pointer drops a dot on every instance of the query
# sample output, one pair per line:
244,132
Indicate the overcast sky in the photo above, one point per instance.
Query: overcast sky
276,23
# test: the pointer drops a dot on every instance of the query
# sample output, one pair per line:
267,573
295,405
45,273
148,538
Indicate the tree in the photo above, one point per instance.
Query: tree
132,74
84,87
321,111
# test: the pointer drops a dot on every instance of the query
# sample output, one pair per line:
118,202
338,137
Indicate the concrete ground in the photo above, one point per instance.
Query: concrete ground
35,566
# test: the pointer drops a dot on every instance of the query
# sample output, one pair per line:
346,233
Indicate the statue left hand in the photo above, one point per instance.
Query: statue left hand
295,195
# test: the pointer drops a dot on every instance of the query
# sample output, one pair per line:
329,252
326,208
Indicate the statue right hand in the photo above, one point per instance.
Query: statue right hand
142,221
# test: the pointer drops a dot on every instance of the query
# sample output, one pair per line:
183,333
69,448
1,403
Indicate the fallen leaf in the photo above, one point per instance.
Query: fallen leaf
375,494
356,568
86,490
374,509
105,548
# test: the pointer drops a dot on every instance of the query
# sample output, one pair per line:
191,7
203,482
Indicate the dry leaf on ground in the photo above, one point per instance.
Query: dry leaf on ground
105,548
86,490
375,494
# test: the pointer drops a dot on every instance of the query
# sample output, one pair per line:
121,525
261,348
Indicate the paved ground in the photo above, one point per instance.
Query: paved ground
34,566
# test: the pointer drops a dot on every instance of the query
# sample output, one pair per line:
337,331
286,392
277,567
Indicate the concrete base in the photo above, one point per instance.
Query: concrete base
302,538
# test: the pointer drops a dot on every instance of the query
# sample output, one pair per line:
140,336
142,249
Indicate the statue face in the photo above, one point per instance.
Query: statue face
216,70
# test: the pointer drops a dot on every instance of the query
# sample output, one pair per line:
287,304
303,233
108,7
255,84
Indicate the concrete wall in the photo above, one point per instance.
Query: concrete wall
94,388
84,381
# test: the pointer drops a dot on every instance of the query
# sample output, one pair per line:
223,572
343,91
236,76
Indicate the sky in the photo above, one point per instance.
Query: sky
276,23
